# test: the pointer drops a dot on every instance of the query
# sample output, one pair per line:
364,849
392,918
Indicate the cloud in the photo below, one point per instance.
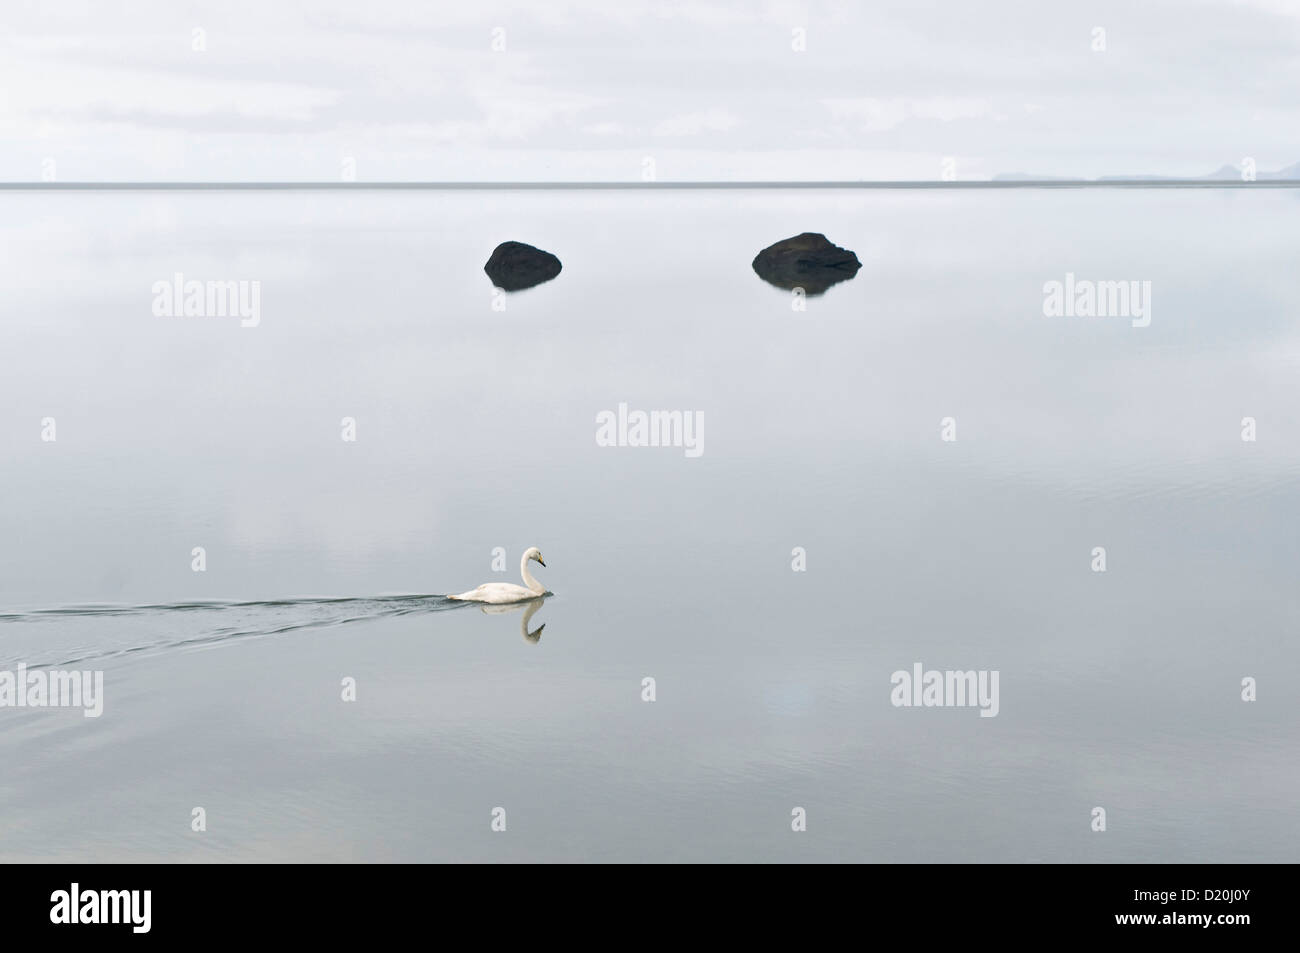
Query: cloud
283,93
878,115
692,124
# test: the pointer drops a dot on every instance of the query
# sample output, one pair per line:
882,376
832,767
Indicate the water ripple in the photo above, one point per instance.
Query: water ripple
251,620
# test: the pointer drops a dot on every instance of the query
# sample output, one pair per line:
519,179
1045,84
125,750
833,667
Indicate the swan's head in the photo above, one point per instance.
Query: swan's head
534,553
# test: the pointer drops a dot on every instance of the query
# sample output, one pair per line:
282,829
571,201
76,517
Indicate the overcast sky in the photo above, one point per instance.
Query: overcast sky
587,89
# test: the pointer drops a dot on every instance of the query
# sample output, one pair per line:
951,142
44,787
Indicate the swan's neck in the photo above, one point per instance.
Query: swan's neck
529,581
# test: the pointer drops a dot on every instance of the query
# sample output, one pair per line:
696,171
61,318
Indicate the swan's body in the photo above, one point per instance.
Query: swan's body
498,593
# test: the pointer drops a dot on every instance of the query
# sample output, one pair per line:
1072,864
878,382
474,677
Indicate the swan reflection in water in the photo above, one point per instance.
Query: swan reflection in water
529,610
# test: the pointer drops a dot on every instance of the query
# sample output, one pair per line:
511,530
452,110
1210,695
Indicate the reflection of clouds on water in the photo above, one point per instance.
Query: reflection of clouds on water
790,698
474,429
209,434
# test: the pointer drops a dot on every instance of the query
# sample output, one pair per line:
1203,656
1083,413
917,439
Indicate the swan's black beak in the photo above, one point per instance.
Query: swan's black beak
539,559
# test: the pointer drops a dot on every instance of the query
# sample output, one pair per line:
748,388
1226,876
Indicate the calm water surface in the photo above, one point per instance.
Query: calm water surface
475,430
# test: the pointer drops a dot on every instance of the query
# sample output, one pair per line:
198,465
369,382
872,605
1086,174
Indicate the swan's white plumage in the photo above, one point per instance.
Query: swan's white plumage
498,593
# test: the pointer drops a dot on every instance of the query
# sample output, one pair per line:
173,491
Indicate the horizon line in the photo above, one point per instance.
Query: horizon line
298,185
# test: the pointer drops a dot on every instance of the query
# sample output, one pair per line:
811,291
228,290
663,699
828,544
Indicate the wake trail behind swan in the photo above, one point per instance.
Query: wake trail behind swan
85,639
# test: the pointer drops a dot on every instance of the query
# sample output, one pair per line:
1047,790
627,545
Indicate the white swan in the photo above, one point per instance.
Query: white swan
502,592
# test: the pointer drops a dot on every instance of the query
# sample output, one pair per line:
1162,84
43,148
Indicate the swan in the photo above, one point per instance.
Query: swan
498,593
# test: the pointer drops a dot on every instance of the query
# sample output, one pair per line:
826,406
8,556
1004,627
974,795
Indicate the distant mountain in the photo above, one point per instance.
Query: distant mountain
1232,172
1228,173
1026,177
1147,178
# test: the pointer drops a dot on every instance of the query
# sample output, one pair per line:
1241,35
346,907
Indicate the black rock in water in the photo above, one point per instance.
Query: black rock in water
515,266
807,261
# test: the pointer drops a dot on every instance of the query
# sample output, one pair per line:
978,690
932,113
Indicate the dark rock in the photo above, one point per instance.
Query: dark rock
807,261
515,266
